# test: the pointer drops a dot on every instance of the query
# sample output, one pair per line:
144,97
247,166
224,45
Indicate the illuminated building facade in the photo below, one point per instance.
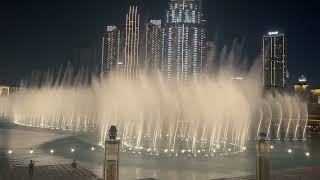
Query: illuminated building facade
4,90
110,50
315,96
183,42
132,39
302,85
153,46
274,52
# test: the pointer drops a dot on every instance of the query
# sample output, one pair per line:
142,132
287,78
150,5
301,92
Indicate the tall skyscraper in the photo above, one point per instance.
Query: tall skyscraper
132,40
110,50
153,46
274,52
183,41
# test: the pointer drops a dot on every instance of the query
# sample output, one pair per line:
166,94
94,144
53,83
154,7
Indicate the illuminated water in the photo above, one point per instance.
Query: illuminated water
169,130
21,140
205,118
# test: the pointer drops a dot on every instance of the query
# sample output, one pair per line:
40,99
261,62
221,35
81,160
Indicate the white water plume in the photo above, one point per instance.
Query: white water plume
215,115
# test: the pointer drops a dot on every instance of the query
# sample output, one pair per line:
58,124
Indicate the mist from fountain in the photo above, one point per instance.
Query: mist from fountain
214,116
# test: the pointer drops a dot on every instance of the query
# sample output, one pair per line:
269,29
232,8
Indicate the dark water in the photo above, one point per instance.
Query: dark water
21,140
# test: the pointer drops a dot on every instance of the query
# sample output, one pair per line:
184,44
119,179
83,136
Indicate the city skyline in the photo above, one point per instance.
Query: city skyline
36,57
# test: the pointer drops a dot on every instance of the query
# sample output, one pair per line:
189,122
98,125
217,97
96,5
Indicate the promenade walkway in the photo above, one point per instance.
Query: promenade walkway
50,172
296,174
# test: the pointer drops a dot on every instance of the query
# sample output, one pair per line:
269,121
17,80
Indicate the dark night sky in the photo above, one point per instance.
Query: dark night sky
36,35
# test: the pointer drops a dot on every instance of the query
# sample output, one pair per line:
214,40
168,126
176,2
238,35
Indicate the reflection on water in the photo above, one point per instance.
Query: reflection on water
20,141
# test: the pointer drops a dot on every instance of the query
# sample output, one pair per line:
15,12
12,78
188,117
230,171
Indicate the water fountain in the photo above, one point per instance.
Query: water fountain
211,117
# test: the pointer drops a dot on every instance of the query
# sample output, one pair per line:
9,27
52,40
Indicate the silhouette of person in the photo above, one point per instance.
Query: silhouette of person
74,164
31,167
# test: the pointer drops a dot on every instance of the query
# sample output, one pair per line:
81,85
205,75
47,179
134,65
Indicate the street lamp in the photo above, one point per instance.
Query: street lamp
111,156
263,158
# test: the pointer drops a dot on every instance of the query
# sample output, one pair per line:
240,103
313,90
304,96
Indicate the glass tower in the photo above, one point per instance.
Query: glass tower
183,41
274,52
132,39
110,50
153,46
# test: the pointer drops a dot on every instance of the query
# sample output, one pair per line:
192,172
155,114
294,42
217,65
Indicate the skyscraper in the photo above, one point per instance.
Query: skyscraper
183,41
153,46
274,53
110,50
132,40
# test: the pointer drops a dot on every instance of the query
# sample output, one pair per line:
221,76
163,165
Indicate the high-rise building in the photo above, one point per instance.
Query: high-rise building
183,41
110,50
153,46
132,43
274,53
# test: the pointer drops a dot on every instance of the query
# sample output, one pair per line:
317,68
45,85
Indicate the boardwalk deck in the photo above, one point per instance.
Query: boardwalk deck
56,172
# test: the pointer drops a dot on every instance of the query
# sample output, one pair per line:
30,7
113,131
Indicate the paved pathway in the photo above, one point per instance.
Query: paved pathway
296,174
56,172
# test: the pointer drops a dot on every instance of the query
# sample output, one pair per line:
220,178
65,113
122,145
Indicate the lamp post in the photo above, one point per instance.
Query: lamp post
111,156
263,158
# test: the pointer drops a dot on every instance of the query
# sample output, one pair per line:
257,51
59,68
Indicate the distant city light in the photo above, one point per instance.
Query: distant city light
273,33
237,78
302,79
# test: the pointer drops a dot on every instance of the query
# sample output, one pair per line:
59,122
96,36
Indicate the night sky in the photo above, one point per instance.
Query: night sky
37,35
